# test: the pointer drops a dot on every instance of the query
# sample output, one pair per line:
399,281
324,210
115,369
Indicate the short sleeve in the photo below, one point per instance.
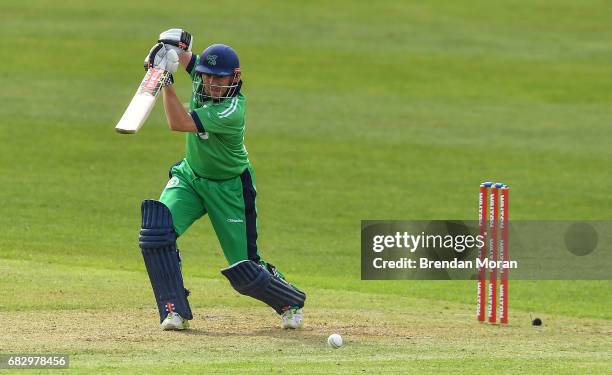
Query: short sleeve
190,68
228,119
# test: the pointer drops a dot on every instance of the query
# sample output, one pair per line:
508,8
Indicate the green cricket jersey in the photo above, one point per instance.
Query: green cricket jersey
217,150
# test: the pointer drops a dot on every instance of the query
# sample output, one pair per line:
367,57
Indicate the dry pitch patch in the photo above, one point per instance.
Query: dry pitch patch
82,312
376,341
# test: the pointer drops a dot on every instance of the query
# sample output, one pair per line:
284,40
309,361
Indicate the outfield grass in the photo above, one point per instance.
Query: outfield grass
357,110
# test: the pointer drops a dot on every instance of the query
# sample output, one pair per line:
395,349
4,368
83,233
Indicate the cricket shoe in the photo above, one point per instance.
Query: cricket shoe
174,322
292,318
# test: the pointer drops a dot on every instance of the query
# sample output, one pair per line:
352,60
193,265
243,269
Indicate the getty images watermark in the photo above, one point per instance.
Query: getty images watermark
423,242
457,250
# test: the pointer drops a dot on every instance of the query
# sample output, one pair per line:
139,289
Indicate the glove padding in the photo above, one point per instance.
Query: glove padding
163,57
177,39
172,61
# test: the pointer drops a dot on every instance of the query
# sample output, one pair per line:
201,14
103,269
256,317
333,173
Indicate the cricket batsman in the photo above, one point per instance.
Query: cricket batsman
216,178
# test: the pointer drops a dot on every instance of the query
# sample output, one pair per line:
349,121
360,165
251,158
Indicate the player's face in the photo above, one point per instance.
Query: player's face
216,86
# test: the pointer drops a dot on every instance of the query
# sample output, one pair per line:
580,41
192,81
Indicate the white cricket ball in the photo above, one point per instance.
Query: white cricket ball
334,340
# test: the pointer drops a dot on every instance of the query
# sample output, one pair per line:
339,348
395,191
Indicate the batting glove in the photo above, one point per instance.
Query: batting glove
172,61
177,39
163,57
155,56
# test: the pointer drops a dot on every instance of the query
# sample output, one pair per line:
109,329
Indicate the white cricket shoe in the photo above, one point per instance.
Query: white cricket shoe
292,318
174,322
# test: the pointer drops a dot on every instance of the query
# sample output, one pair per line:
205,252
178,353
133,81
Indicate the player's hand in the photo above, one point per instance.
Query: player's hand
171,65
177,39
163,57
172,61
155,56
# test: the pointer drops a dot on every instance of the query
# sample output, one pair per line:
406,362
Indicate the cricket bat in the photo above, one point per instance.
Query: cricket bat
143,101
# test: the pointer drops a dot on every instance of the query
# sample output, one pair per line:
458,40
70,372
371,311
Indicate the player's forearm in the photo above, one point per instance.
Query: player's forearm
178,118
185,58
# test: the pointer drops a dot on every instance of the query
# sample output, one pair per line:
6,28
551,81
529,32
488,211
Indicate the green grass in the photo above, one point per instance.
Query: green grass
72,310
357,110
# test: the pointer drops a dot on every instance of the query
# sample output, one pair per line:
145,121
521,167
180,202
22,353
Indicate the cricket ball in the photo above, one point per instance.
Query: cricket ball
334,340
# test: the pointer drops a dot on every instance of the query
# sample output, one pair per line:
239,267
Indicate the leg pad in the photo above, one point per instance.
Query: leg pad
161,257
253,279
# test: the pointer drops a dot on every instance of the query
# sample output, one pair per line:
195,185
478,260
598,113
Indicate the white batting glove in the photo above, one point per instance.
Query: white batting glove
155,56
177,39
163,57
172,61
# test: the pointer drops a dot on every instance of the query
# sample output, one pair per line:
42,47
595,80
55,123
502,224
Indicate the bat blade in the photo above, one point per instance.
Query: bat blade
143,102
